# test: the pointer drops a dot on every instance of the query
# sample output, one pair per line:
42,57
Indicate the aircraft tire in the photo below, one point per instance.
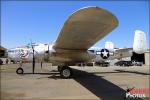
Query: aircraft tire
19,71
66,72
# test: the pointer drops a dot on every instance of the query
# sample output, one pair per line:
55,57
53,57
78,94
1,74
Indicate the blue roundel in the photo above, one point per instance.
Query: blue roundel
105,53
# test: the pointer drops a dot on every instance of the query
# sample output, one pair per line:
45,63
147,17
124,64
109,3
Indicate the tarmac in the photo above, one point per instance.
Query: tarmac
104,83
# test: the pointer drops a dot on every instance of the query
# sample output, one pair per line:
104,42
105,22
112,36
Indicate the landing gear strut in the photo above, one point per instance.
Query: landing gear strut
20,70
65,71
59,68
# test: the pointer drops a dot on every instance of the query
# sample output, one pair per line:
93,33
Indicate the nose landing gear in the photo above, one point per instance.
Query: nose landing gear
20,70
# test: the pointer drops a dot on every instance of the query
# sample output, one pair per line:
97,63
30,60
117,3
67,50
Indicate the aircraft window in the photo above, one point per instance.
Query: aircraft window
91,51
98,52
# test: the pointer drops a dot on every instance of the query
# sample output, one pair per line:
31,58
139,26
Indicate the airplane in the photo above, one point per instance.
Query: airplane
81,31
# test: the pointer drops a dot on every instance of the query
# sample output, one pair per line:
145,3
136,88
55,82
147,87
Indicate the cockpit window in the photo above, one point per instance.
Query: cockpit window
13,51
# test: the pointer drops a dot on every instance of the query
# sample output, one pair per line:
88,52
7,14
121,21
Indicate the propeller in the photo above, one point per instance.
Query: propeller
33,60
48,48
47,53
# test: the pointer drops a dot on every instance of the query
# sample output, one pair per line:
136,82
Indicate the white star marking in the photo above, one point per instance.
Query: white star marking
104,53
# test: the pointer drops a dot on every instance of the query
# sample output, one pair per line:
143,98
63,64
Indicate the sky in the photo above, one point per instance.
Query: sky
41,21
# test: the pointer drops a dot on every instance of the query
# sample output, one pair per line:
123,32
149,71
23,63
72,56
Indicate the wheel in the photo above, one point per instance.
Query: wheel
19,70
65,72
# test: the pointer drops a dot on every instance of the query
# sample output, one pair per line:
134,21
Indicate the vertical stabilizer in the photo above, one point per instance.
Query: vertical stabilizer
109,46
139,45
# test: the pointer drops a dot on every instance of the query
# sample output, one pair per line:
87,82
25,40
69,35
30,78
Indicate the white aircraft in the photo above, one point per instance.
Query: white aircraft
80,31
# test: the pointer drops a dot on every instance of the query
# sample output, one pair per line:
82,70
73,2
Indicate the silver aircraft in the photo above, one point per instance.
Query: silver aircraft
81,31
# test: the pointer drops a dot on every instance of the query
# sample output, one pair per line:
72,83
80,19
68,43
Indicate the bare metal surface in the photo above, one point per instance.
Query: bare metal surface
85,27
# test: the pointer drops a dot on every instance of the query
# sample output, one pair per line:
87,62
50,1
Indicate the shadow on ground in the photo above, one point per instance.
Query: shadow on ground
99,86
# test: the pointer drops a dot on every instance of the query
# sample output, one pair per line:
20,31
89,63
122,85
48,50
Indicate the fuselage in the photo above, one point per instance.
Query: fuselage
46,52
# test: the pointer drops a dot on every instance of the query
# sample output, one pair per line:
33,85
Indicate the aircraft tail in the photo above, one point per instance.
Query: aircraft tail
139,44
109,46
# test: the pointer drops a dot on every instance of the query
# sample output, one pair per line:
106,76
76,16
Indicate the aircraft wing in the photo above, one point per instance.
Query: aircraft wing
84,28
123,50
122,53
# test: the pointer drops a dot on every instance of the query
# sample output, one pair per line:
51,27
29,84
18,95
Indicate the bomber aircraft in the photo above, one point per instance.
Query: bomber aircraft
80,32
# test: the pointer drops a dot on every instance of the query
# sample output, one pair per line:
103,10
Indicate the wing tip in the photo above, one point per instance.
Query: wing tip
115,20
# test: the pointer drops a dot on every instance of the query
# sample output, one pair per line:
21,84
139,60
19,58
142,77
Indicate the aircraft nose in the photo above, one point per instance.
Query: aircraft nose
10,55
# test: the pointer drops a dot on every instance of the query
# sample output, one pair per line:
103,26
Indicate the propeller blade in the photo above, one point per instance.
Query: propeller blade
33,65
33,61
48,48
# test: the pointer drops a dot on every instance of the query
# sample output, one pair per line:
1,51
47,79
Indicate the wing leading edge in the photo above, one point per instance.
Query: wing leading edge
84,28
